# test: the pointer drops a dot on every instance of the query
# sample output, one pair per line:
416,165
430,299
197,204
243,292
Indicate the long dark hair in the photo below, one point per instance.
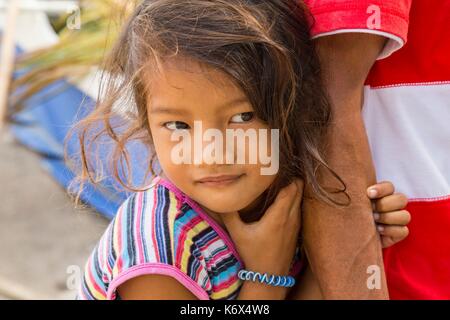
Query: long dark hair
264,46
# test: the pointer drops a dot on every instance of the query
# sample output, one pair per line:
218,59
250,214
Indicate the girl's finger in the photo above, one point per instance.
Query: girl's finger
401,217
397,233
300,185
381,189
280,208
397,201
295,212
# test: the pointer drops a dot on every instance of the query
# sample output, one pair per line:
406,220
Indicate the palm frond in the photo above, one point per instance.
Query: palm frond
76,53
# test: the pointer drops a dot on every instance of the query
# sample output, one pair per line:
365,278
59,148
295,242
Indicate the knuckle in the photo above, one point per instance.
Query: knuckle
402,199
380,205
384,218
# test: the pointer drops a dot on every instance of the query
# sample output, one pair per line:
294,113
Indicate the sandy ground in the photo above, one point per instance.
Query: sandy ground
44,241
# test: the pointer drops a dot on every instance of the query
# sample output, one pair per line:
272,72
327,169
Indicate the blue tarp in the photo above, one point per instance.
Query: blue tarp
43,126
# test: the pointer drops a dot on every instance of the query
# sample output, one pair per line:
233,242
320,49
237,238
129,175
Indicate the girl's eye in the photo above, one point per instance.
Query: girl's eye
242,117
176,125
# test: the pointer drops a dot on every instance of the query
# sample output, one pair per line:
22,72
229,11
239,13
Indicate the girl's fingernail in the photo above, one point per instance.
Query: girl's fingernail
376,216
380,228
373,193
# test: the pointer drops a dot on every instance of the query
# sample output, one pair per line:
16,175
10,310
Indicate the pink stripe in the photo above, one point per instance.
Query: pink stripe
160,269
139,244
155,247
180,248
106,252
178,255
119,241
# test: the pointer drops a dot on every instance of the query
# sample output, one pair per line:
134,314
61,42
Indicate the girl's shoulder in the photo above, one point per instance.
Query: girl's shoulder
161,231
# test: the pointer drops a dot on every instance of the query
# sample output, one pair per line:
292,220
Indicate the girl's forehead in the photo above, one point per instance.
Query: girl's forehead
185,83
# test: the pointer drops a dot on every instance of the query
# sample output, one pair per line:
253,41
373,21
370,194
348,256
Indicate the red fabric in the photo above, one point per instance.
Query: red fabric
426,56
333,15
419,266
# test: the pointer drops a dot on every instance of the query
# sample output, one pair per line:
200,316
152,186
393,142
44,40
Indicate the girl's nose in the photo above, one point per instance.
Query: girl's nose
210,146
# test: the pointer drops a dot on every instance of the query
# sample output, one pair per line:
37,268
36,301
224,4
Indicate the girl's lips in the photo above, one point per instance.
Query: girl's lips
223,180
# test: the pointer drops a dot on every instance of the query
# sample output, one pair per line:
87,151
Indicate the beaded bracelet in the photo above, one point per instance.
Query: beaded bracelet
272,280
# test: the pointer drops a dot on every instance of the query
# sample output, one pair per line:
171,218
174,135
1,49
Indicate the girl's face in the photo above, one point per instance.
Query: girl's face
186,92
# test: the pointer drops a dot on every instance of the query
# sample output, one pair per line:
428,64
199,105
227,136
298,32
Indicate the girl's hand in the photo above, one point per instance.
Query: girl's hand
268,245
391,220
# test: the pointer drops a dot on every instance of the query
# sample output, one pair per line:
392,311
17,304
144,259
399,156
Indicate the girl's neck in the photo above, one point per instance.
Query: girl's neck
251,213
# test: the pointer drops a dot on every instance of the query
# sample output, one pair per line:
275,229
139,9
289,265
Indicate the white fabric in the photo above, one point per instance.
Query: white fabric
409,134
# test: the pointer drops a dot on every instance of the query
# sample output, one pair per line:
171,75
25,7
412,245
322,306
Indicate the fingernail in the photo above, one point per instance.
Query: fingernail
380,228
373,193
376,216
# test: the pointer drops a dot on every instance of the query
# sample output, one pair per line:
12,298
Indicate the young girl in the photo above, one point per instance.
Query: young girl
213,229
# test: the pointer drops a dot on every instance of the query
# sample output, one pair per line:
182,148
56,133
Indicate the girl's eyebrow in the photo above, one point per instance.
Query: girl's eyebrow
168,110
176,111
235,102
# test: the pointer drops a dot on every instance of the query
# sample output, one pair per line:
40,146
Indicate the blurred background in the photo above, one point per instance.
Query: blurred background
50,53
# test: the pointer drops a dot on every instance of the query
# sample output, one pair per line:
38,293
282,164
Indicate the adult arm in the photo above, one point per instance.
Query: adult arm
341,243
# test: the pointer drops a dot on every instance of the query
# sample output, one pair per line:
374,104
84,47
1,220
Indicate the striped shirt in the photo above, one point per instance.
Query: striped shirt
162,231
